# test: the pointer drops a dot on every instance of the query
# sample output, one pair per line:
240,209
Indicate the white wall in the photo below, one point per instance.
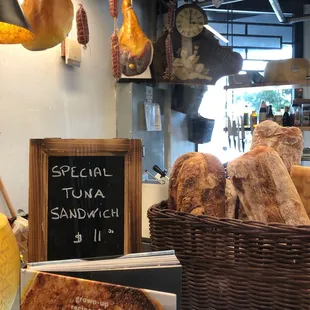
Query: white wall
41,97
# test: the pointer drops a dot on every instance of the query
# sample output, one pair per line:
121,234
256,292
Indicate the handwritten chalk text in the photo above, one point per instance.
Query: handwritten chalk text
79,193
81,214
73,172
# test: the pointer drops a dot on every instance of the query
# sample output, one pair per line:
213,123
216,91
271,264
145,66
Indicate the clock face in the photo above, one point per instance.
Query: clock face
190,20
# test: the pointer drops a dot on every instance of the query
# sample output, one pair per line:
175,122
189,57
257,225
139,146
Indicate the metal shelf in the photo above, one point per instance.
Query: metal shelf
304,83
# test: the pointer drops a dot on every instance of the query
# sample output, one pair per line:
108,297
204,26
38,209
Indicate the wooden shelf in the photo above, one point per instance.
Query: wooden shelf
299,101
304,128
304,83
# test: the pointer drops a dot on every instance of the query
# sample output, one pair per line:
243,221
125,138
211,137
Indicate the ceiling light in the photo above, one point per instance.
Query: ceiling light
218,35
14,28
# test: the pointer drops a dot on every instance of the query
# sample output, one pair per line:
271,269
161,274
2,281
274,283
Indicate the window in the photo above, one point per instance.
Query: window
257,43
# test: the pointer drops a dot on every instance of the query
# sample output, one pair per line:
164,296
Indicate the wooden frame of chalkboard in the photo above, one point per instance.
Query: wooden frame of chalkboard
42,151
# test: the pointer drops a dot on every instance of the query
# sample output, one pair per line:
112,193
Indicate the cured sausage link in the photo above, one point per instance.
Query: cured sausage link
82,26
114,8
115,55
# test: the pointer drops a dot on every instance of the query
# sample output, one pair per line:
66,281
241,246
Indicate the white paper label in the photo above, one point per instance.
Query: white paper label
152,116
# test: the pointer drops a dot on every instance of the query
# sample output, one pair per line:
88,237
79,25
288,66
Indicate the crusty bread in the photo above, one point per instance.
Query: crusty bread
287,141
231,198
301,179
240,212
173,187
233,206
197,185
265,188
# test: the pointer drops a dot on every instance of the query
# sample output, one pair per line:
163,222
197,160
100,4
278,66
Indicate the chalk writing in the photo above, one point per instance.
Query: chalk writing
97,236
73,172
77,194
80,214
85,206
78,238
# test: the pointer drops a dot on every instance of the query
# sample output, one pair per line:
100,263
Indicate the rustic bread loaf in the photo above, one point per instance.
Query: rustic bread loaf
197,185
240,212
233,206
287,141
231,198
265,188
301,179
173,186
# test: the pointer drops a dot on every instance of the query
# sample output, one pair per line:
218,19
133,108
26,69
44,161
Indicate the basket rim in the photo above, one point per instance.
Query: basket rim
162,209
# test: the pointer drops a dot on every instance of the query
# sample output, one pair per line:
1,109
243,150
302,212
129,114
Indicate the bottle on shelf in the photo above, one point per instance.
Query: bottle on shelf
286,117
270,115
262,112
299,93
292,116
306,115
253,120
297,119
246,116
278,117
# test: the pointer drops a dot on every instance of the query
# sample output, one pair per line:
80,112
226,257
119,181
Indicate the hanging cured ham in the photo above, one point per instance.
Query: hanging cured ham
50,20
136,50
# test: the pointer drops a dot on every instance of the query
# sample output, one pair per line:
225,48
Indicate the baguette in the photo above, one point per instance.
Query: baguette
287,141
265,188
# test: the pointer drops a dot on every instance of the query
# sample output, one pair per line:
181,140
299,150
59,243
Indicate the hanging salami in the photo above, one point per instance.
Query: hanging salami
114,8
115,46
115,56
171,15
169,57
168,42
82,26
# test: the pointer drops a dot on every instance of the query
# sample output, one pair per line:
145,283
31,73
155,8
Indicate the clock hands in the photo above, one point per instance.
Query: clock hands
190,20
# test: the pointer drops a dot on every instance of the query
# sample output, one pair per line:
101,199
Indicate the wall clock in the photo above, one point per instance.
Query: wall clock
190,20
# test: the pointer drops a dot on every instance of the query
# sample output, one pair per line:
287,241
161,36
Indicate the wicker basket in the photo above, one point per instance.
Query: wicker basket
229,264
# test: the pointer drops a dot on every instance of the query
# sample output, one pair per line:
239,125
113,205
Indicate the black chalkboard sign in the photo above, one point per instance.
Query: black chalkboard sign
85,206
84,198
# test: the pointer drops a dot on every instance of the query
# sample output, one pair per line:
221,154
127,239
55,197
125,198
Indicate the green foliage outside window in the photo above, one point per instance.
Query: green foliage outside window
278,98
